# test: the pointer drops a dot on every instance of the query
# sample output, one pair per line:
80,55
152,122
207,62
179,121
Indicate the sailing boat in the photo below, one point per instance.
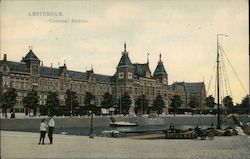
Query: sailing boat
220,49
218,82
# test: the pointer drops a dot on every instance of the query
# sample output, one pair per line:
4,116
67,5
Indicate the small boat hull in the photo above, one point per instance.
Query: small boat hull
180,134
116,124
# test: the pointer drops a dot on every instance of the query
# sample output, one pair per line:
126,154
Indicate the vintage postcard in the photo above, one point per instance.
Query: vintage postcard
144,79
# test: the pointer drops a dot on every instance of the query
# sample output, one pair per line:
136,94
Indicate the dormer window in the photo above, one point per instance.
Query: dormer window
129,75
164,81
147,74
121,75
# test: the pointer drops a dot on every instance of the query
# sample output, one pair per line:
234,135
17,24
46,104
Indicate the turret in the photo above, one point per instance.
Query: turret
32,62
125,69
160,72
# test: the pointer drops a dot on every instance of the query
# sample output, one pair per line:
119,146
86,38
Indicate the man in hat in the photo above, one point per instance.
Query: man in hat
51,129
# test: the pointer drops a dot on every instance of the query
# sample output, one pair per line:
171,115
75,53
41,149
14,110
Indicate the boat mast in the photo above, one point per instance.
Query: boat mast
218,86
218,82
249,78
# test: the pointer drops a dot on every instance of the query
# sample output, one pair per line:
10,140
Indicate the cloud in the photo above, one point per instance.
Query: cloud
28,29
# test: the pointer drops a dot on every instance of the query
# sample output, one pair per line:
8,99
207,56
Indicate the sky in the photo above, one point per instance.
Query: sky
91,33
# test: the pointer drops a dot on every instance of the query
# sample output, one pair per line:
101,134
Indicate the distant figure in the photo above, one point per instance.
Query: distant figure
12,115
51,129
248,123
43,129
171,127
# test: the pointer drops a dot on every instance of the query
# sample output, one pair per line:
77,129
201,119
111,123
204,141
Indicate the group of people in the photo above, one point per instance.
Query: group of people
43,129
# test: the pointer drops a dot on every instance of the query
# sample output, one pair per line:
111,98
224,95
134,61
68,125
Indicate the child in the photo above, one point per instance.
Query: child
43,129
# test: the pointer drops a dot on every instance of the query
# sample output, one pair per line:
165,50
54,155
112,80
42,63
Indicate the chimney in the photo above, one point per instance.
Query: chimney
4,57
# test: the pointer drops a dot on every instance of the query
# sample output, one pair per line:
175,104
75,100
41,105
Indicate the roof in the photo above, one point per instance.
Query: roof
140,69
125,61
21,67
30,56
160,70
193,87
79,76
104,78
190,87
49,72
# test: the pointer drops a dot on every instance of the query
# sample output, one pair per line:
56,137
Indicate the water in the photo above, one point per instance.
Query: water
125,131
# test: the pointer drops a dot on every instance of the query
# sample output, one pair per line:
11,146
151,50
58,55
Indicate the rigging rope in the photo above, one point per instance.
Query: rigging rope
221,83
226,76
211,79
223,73
233,70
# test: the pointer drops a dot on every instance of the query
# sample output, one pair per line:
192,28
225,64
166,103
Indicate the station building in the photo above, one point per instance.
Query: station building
134,78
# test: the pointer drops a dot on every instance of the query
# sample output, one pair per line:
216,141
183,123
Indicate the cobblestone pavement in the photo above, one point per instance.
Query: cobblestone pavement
24,145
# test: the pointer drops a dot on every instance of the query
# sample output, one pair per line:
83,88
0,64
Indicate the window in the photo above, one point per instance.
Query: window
61,97
22,110
16,110
129,75
164,81
121,75
148,74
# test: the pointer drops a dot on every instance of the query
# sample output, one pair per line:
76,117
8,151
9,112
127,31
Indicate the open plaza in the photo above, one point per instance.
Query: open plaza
23,145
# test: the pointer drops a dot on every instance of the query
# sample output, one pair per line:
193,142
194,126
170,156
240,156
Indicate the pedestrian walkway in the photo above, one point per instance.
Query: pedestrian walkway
22,145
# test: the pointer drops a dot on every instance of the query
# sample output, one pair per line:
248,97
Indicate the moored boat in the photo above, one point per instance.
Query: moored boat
180,134
121,123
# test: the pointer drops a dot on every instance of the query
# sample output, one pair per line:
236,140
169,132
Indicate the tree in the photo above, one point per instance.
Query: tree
141,104
176,103
31,101
8,99
125,103
245,104
107,100
210,102
228,103
193,103
158,104
52,102
71,100
88,97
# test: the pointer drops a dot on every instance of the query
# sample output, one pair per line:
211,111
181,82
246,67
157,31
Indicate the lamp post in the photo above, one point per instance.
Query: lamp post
71,102
141,99
92,103
120,104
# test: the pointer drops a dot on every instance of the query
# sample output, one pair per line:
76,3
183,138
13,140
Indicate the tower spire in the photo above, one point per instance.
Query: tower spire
125,46
30,47
160,56
148,59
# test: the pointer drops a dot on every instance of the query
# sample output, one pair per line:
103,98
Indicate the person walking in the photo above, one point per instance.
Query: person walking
43,129
51,129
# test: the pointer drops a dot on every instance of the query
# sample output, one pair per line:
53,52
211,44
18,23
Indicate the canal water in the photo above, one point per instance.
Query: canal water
124,131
